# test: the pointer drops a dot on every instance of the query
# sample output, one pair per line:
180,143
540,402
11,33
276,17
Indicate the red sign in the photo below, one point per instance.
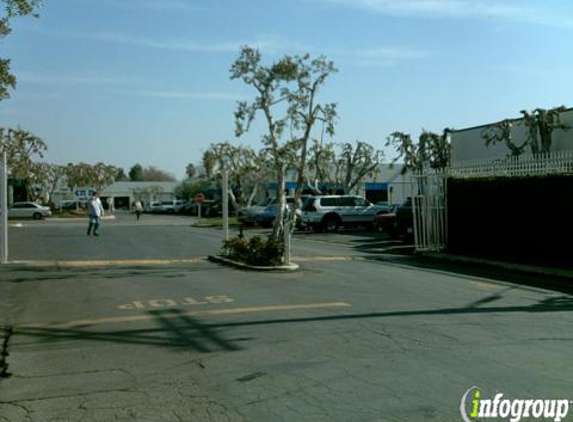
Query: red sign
199,198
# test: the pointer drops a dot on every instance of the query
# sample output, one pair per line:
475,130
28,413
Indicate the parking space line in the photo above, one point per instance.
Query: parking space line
205,313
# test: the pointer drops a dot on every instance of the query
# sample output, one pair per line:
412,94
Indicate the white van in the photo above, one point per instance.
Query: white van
173,206
329,212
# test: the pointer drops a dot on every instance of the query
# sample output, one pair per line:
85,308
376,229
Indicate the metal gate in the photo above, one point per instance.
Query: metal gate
429,211
429,205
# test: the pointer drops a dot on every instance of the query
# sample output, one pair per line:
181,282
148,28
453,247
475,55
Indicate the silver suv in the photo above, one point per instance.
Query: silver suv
329,212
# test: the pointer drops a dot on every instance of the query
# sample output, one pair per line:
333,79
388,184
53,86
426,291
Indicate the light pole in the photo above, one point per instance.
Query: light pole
225,199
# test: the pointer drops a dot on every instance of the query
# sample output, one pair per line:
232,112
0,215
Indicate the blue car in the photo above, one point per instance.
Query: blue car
267,217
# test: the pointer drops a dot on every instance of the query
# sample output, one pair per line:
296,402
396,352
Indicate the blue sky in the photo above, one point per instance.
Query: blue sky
127,81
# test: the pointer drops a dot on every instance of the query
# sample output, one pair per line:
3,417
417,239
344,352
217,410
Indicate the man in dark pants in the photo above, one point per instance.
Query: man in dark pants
95,212
138,208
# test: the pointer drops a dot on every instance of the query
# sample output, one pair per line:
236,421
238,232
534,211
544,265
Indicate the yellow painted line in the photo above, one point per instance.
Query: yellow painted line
213,312
108,262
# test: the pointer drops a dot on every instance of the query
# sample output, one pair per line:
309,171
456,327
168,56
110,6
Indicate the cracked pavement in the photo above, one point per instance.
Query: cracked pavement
410,342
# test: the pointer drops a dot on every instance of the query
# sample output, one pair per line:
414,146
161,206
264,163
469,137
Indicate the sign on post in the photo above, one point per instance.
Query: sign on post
199,198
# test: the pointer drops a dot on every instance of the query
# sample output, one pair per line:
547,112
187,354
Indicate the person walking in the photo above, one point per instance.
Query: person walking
138,209
95,212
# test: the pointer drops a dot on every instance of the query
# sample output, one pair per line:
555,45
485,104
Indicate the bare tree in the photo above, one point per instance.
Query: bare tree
285,95
541,123
102,175
46,177
431,150
355,163
12,8
501,132
247,169
22,148
148,194
322,166
305,112
97,176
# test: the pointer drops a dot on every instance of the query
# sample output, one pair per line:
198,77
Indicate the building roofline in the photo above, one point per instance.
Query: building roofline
516,119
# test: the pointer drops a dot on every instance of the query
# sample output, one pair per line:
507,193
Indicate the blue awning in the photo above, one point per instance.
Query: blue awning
375,186
288,185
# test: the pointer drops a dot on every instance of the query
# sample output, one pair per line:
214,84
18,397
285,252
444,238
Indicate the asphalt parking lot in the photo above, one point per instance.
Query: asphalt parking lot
136,325
169,237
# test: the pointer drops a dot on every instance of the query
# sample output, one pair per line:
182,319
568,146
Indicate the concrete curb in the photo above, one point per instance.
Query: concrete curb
226,261
554,272
103,263
78,218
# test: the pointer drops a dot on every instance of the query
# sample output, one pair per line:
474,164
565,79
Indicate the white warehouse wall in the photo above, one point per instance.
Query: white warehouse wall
468,144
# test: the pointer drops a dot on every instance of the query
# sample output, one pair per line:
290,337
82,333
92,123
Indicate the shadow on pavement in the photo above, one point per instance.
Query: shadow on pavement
23,274
554,304
176,330
475,270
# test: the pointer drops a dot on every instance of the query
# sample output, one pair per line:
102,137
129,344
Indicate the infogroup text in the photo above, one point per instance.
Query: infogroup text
474,405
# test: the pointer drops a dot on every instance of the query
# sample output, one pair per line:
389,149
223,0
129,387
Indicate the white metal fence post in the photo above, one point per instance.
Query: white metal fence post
429,211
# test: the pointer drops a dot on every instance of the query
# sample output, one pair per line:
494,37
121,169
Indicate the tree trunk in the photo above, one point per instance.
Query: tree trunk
545,132
233,200
252,196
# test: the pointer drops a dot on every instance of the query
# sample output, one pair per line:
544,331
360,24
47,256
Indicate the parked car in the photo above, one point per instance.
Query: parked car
387,223
266,217
188,208
172,206
177,205
248,215
155,207
28,210
405,219
329,212
215,209
399,222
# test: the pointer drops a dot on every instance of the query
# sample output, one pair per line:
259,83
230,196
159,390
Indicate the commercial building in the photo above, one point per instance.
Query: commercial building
120,195
469,144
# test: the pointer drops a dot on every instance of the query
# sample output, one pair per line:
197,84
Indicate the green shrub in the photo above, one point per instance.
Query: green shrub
256,251
236,248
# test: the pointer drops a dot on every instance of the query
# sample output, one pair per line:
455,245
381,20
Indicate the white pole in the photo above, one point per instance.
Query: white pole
4,209
225,199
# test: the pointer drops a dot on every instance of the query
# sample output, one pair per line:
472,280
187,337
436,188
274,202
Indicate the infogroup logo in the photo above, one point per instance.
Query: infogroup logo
474,407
